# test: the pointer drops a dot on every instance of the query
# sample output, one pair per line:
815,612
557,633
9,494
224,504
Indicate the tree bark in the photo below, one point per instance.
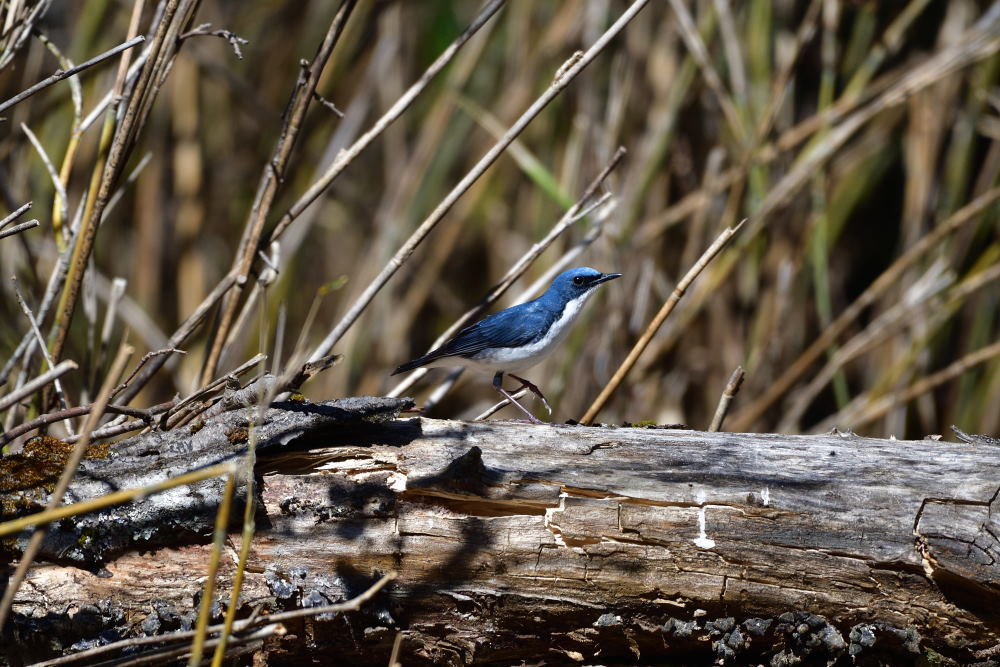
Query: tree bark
525,543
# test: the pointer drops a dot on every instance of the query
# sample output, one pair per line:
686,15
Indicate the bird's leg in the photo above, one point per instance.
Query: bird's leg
533,389
498,385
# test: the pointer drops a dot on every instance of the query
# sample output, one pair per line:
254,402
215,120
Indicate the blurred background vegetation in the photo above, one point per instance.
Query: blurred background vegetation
845,130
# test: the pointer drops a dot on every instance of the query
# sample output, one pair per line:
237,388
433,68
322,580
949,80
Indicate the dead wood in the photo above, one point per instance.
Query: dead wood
518,542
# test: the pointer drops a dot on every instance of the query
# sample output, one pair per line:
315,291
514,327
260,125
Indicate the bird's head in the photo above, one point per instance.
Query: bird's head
574,283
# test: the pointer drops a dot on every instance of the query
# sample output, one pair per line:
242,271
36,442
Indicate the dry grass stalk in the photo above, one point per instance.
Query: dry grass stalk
668,306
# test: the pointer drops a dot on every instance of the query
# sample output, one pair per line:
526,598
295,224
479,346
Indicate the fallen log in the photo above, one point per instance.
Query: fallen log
517,542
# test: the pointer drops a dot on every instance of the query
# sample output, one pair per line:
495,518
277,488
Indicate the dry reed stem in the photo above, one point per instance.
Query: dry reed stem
33,324
564,76
34,385
208,593
59,75
118,140
743,420
654,326
863,409
14,215
346,156
732,388
69,470
271,176
17,229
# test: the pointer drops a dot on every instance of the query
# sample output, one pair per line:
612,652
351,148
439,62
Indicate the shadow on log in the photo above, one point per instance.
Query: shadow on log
526,543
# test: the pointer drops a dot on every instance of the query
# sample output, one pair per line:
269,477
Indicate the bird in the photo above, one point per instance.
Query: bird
519,337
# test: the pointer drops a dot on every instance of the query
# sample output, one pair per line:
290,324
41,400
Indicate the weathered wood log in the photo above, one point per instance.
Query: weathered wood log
517,542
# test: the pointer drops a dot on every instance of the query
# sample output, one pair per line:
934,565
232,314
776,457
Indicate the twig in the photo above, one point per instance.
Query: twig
496,407
425,228
56,181
145,418
234,40
60,74
146,357
15,215
17,229
30,388
218,544
165,657
328,104
732,388
113,430
69,470
267,187
60,395
654,326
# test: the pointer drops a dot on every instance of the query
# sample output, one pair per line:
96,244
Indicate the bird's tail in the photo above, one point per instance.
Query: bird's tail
410,365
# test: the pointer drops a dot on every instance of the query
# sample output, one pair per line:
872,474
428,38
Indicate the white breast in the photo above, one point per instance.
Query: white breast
516,359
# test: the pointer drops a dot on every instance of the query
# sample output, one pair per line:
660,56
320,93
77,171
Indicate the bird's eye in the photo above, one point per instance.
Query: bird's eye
578,280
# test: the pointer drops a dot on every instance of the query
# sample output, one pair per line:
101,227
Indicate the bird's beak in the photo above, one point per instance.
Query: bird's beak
606,277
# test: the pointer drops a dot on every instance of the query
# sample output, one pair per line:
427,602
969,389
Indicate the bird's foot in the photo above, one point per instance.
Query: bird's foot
526,384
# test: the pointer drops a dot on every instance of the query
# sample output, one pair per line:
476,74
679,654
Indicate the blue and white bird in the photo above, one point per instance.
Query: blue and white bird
520,336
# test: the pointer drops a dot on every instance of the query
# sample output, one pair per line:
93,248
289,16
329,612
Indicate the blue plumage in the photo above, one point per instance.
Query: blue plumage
520,336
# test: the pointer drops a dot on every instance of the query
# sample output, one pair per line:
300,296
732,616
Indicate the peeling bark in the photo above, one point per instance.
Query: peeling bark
517,542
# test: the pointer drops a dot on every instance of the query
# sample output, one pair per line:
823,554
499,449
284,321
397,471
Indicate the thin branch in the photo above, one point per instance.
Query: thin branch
732,388
271,177
563,79
60,395
59,75
30,388
234,40
145,417
15,215
654,326
61,198
17,229
142,362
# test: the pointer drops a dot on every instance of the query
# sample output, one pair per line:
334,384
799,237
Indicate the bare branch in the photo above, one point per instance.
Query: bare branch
59,75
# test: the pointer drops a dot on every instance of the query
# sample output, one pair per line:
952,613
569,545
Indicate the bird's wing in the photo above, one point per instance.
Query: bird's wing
518,325
515,326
